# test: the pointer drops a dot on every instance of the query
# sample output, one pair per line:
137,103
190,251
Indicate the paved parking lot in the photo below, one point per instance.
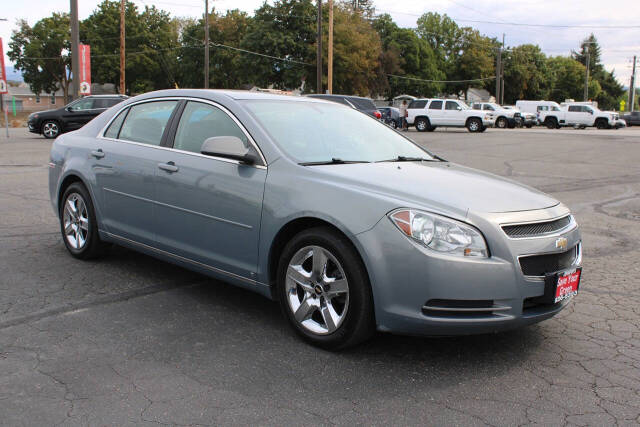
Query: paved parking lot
132,340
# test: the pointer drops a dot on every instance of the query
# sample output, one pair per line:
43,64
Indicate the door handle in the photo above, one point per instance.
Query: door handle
168,167
98,154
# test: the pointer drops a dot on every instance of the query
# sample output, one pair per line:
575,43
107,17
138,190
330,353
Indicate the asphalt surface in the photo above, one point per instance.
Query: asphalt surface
129,340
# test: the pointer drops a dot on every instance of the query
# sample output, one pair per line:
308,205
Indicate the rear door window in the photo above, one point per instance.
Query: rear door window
114,127
435,105
575,109
83,104
146,122
362,103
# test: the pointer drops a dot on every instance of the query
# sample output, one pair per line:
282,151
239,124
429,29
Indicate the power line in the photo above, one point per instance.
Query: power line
440,81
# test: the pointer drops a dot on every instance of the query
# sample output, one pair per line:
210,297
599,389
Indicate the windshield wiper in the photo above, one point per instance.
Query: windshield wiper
414,159
333,161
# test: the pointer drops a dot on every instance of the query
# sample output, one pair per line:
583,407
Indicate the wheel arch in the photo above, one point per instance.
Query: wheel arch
65,182
288,231
466,123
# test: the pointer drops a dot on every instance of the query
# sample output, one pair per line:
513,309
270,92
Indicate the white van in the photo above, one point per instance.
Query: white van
534,107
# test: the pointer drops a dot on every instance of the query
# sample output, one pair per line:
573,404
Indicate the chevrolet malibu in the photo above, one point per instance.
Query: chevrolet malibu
348,224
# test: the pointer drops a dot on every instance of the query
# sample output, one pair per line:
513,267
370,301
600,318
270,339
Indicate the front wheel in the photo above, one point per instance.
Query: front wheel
551,123
50,129
78,223
324,289
474,125
501,122
601,124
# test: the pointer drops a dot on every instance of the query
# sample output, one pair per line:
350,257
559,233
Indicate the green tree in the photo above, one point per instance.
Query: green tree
611,90
526,74
406,54
567,79
151,46
225,64
284,30
42,53
356,53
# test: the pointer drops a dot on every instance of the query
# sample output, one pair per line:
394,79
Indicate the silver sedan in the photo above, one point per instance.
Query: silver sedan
348,224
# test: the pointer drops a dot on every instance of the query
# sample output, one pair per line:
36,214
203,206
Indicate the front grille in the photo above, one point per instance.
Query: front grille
539,265
521,231
447,308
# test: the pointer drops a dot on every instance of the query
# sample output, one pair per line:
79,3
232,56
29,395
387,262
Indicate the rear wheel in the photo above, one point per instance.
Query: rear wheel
528,126
50,129
422,124
431,128
474,125
324,289
78,223
502,122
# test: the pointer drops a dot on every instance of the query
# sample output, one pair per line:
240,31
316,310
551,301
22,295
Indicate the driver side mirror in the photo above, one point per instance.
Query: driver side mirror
228,147
69,109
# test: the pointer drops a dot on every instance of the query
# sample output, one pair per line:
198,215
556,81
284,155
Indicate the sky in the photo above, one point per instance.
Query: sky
616,25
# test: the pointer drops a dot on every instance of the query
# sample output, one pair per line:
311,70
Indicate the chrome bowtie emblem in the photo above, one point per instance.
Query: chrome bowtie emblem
561,243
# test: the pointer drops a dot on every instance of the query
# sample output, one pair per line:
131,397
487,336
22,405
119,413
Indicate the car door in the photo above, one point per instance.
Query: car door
574,114
452,114
435,113
125,160
209,208
77,114
587,117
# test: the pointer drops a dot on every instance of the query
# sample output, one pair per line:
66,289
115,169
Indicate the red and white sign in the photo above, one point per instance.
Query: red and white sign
3,73
567,285
85,69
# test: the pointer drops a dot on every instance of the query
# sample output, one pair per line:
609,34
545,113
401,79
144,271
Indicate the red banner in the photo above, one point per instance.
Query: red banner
85,69
3,73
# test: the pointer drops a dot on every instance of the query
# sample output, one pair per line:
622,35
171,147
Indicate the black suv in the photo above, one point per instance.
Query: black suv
52,123
364,105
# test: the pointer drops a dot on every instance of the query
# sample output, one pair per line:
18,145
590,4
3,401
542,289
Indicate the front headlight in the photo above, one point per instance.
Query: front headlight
440,233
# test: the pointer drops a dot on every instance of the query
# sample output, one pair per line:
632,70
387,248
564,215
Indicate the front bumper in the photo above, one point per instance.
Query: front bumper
408,279
31,124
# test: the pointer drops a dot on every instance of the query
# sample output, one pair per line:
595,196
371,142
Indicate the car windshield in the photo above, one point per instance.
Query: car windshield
321,132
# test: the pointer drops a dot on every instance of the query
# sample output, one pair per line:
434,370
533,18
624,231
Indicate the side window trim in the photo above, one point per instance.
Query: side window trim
124,118
254,144
170,131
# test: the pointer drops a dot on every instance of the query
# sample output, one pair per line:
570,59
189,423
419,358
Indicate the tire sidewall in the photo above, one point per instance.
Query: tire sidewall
360,299
425,127
90,247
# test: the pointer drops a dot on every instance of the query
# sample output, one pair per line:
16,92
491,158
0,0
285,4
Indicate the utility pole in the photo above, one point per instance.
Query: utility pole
330,50
498,71
319,52
632,86
502,76
586,78
206,44
122,45
75,41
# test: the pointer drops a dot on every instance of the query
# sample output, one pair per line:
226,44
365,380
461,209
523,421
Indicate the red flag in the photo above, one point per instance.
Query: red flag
85,69
3,74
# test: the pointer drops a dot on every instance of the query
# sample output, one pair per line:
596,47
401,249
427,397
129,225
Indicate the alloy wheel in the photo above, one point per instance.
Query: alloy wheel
76,221
50,130
473,126
317,290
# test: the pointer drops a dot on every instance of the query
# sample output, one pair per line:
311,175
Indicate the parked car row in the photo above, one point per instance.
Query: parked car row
575,114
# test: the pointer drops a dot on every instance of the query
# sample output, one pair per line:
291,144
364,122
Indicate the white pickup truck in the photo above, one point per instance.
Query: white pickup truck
428,114
578,115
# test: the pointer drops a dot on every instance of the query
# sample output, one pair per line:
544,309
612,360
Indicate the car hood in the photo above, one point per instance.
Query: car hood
441,184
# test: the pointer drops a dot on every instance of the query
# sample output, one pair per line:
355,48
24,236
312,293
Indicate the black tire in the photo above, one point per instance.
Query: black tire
393,124
483,129
528,126
551,123
93,246
422,124
431,128
50,129
474,124
502,123
601,124
359,322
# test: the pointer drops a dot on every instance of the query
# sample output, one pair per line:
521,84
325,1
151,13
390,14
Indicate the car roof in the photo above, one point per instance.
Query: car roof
113,95
335,95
